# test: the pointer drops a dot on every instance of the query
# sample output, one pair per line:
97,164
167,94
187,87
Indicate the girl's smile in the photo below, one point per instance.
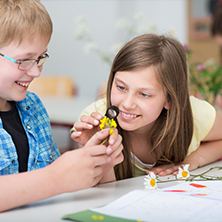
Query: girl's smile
128,116
140,98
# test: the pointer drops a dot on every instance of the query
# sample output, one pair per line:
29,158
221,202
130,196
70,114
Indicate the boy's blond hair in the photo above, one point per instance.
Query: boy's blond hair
22,18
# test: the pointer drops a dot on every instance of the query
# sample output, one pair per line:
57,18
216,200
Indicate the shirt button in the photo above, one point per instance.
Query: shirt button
28,108
13,161
50,157
28,127
34,159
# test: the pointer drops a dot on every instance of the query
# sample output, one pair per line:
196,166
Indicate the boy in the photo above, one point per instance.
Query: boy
26,141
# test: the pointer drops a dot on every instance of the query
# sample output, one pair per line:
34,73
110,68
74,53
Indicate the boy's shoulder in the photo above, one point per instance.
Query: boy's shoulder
32,97
31,100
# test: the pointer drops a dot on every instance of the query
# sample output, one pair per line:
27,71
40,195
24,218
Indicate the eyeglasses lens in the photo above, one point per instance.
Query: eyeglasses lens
41,61
29,63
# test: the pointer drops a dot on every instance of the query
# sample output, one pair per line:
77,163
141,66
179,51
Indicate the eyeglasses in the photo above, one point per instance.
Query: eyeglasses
26,64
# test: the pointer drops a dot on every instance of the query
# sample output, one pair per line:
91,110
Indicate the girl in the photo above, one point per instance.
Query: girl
162,127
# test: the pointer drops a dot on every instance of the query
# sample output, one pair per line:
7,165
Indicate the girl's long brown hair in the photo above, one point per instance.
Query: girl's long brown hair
173,129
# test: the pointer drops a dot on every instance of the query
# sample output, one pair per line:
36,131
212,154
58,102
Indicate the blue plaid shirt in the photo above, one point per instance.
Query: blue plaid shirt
42,147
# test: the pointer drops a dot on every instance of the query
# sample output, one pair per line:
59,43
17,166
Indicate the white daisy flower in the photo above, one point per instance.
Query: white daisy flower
150,181
183,173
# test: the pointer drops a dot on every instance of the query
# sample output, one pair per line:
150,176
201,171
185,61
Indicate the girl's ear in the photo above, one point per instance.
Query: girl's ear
167,105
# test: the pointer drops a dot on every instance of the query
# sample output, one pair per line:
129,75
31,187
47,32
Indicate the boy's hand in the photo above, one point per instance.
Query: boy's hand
114,150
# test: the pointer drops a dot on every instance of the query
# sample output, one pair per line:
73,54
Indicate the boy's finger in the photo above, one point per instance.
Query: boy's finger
113,137
98,138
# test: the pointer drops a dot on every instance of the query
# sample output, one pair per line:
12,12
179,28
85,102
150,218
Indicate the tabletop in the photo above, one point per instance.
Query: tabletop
52,209
64,110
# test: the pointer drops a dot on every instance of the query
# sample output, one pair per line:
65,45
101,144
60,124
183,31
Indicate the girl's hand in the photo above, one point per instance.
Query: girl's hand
86,128
165,169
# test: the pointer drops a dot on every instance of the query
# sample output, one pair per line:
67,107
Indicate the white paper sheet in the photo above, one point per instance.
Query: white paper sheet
195,204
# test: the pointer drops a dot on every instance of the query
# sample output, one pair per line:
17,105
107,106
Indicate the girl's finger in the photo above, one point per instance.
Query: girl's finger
97,116
79,126
89,120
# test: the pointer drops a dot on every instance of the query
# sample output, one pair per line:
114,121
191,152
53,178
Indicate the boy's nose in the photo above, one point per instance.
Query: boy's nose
35,71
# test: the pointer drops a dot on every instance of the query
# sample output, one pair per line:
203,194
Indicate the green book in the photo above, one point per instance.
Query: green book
90,216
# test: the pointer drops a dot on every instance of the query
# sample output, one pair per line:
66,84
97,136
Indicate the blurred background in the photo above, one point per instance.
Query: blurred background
69,57
88,33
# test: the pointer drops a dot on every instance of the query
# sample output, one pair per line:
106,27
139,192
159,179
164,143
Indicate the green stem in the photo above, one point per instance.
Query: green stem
219,178
201,175
105,140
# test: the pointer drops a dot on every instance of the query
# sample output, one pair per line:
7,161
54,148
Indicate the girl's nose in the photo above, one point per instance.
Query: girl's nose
129,102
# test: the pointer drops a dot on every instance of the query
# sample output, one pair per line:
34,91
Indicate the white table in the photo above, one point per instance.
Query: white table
54,208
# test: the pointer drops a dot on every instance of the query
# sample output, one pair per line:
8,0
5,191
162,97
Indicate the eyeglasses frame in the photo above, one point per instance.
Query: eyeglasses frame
23,60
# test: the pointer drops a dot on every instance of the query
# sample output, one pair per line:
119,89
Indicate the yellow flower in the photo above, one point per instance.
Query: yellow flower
113,123
111,132
106,122
109,123
103,122
183,173
150,181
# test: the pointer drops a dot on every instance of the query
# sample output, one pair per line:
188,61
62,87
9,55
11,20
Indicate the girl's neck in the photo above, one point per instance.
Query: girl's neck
140,146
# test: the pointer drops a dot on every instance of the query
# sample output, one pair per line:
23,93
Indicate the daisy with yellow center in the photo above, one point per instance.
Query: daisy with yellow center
183,172
150,181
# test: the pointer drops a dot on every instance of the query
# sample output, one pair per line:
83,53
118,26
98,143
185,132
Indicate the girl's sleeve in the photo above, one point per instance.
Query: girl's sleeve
98,106
204,116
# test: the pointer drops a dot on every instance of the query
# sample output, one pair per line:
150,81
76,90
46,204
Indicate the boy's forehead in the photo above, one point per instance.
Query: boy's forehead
27,45
26,38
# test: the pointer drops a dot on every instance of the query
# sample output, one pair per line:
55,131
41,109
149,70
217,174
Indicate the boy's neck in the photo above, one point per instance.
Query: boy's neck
5,105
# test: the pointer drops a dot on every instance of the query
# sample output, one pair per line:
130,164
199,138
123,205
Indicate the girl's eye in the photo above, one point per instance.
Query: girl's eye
121,87
144,95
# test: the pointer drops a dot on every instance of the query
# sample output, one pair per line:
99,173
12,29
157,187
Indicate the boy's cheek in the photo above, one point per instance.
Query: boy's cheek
40,68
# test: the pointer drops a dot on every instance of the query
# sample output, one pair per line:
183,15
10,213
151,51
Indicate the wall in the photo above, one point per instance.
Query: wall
67,56
201,43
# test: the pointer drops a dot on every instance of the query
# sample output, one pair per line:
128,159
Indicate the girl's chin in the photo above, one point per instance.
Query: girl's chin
126,127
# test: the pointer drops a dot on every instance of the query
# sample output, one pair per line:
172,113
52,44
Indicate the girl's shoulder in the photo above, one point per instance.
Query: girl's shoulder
203,115
200,106
98,106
